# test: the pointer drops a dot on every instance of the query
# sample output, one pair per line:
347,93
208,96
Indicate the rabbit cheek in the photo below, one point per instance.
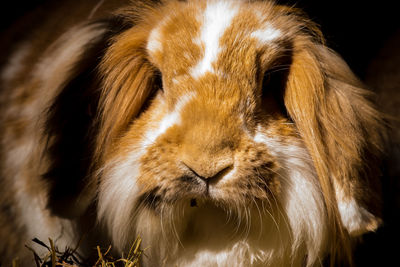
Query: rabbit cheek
161,180
159,177
254,178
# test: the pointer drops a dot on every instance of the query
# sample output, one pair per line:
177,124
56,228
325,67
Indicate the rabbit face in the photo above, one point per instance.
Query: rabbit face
216,136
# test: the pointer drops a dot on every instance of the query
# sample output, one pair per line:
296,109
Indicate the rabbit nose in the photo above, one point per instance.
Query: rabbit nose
208,170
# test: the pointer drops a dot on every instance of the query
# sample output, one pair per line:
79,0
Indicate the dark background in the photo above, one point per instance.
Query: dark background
355,29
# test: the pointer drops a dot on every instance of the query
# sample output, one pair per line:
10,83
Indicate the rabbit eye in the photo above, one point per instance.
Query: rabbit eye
274,80
266,84
158,84
273,88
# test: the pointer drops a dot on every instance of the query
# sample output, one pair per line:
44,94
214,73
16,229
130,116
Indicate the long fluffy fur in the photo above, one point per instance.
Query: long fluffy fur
236,108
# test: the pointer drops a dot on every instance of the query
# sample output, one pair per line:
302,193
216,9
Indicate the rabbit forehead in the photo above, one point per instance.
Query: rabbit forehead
221,38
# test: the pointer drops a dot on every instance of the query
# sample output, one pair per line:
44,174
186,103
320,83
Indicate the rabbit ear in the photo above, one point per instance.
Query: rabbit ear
103,92
70,125
129,79
342,131
357,178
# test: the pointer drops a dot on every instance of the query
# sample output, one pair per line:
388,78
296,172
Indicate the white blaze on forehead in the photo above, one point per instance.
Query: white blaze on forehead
266,34
154,41
168,121
216,18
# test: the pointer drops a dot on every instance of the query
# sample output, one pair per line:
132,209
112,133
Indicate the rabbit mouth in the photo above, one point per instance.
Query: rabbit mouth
190,196
159,198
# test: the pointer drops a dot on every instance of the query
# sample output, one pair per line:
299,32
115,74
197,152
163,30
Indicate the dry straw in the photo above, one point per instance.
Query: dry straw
71,258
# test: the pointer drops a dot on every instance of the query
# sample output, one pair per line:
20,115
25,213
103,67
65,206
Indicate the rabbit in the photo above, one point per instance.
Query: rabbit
220,132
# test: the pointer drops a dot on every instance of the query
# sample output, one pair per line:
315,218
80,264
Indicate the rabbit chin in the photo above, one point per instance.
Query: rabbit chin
202,232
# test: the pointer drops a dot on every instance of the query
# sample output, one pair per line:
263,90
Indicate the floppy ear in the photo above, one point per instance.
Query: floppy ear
103,93
129,79
70,126
342,131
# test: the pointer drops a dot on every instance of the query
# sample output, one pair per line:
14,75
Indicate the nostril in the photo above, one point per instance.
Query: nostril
221,173
210,172
193,171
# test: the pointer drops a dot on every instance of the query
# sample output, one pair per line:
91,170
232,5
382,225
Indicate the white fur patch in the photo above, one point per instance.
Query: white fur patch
266,35
236,255
301,195
154,42
168,121
216,19
117,196
356,219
